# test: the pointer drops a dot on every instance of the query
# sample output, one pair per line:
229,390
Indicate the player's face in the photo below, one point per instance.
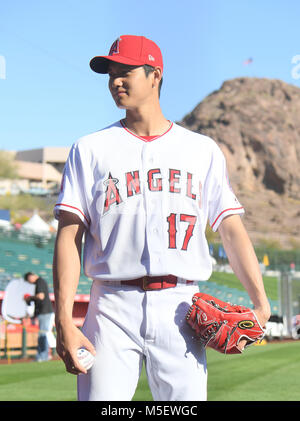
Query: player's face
129,86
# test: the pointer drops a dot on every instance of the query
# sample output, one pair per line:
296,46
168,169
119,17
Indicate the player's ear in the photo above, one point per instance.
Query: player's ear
157,76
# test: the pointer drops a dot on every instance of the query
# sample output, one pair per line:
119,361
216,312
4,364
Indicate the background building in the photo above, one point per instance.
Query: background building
39,171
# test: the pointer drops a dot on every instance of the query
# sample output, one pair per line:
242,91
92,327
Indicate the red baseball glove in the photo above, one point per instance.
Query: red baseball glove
221,325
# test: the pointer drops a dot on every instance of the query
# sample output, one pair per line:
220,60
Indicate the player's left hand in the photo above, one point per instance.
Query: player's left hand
227,328
263,315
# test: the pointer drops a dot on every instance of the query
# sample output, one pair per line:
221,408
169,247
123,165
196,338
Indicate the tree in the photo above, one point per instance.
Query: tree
8,166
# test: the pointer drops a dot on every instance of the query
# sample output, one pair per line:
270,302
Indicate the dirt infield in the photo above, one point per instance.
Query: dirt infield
30,359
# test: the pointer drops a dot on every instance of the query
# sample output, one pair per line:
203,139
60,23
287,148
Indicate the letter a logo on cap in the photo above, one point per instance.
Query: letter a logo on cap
114,49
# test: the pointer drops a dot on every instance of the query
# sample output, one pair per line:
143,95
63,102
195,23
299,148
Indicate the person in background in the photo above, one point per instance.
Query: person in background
43,312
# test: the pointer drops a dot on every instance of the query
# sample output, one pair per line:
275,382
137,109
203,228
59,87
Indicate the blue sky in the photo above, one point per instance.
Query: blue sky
50,97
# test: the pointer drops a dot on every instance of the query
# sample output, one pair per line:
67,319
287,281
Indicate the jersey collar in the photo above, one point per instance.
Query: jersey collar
146,138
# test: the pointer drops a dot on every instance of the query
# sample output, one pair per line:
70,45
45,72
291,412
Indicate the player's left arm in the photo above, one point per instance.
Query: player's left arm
243,260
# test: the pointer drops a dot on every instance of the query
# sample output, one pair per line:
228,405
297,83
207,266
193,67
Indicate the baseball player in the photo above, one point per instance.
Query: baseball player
141,192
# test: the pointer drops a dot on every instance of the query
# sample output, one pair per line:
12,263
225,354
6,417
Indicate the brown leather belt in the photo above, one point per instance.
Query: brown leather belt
149,283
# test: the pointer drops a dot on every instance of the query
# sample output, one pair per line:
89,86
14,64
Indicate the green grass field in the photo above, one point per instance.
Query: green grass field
231,281
268,372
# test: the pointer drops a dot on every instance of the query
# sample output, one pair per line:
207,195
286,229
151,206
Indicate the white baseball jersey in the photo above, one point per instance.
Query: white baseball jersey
146,204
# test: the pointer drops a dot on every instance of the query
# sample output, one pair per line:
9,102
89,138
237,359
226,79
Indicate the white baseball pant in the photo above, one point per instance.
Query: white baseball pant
128,326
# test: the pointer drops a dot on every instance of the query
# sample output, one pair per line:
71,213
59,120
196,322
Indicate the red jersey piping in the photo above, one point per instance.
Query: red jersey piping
142,137
73,207
226,210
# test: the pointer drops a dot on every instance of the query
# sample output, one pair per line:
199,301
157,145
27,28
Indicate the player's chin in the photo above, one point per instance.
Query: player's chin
121,103
124,102
121,106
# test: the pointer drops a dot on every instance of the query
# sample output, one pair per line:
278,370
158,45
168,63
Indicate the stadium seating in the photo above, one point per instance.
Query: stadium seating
19,257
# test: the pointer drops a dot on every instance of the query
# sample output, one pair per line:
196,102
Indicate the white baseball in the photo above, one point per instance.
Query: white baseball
85,358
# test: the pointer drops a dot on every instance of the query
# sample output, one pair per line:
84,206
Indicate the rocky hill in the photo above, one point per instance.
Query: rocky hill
256,122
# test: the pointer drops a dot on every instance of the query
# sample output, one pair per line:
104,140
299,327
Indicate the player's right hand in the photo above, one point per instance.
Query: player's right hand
69,339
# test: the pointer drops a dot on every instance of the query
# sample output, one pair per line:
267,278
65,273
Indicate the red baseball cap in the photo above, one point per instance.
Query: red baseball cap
129,49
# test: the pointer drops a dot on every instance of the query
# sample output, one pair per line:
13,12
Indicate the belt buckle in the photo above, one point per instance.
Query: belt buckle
145,284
